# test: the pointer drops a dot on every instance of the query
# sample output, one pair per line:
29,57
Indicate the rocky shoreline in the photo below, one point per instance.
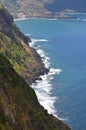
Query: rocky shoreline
19,106
59,16
36,73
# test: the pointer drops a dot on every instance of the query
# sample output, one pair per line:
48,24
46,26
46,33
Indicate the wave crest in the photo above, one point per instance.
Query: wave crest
43,88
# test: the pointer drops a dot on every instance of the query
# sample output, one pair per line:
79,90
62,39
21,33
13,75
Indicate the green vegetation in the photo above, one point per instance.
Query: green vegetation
1,7
14,52
14,45
2,118
19,107
20,57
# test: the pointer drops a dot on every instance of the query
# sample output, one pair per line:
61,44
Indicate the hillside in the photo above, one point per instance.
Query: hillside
42,8
19,107
26,8
15,46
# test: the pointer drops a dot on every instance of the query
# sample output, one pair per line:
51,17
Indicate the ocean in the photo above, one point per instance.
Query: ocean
62,46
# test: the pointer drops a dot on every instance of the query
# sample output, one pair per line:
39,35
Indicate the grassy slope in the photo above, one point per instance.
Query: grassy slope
14,45
19,107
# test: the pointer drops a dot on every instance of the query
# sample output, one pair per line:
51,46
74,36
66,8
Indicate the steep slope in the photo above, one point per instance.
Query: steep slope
15,46
19,107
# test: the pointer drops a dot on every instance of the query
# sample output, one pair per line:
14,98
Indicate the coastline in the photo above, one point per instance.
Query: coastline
62,16
19,19
19,105
51,17
44,74
43,85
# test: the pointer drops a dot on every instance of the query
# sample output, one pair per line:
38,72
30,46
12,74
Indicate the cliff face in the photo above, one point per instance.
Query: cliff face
19,107
15,46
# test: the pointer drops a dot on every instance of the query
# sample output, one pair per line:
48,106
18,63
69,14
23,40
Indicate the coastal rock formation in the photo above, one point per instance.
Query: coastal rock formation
19,107
15,46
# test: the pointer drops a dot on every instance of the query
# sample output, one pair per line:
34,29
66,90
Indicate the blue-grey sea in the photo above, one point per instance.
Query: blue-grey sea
62,46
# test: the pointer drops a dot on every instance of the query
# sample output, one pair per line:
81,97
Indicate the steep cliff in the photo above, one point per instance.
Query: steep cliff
15,46
19,107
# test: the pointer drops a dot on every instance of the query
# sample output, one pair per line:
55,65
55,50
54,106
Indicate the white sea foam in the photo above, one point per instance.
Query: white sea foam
39,40
53,19
43,90
54,71
21,19
28,34
44,87
34,41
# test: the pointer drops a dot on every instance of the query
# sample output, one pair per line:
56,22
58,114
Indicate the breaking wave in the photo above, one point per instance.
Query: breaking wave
44,87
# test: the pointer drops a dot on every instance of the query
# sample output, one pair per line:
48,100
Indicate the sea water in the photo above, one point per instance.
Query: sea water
62,46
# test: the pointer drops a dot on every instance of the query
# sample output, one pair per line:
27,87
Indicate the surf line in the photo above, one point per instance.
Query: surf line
44,87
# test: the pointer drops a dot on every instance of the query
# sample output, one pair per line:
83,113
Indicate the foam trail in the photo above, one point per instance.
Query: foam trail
39,40
53,19
28,34
20,19
43,88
